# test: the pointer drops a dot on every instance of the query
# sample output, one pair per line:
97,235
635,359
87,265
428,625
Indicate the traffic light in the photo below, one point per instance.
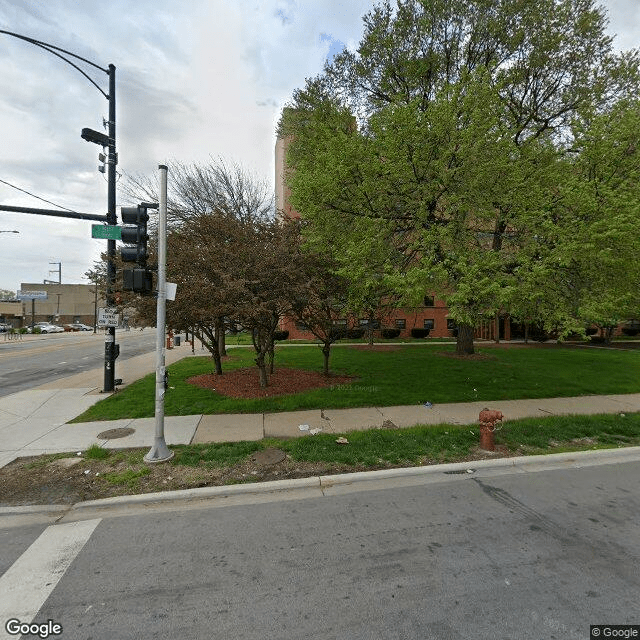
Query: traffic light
135,235
139,279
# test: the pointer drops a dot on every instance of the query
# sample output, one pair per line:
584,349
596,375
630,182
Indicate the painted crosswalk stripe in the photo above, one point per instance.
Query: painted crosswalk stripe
27,584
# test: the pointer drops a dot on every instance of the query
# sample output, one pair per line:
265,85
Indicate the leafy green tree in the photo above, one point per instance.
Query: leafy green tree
213,211
441,140
321,297
6,294
585,244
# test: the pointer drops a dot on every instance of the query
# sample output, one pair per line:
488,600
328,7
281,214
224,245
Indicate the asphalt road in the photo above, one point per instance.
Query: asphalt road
38,360
496,554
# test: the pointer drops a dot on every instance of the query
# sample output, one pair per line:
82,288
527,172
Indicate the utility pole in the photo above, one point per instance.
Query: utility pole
58,271
159,452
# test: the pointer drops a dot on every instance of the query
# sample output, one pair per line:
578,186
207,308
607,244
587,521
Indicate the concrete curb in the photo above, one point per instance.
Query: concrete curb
314,486
202,493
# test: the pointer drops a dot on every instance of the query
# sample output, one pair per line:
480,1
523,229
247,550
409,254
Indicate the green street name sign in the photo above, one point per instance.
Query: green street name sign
106,232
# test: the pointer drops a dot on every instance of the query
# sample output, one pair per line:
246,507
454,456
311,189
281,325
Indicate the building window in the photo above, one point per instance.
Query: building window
429,323
301,326
429,302
451,324
401,323
341,322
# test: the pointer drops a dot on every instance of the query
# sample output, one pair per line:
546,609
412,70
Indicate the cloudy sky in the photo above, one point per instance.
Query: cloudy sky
195,79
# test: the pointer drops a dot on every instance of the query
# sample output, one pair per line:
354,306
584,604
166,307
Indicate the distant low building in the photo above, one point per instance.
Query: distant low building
65,304
11,313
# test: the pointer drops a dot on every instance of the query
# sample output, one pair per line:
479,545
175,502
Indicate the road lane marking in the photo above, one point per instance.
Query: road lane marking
27,584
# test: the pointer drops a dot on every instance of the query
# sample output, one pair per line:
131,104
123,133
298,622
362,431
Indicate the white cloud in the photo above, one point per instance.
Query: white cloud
197,79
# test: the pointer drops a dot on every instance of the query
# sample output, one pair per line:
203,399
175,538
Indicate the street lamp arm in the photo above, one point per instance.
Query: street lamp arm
54,50
111,349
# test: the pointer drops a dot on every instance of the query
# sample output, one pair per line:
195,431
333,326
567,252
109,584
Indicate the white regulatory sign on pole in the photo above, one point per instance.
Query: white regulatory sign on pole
108,317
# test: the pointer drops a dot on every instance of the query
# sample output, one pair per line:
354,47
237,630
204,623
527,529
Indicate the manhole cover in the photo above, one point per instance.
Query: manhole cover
112,434
268,456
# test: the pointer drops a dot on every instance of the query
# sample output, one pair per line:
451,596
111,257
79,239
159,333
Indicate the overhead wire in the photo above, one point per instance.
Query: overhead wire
33,195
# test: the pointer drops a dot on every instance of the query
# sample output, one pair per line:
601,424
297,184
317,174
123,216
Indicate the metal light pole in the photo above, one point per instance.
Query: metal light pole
159,452
110,349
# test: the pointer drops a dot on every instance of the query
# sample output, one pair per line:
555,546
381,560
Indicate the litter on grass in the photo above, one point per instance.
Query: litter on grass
306,427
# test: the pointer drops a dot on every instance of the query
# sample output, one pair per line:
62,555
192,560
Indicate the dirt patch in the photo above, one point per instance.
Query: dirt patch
244,383
43,480
40,480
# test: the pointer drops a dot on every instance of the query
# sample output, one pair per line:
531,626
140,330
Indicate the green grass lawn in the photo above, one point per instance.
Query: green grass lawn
439,443
407,375
381,448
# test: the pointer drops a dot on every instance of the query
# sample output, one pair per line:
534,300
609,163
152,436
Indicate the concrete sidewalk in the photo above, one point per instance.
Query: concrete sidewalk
36,421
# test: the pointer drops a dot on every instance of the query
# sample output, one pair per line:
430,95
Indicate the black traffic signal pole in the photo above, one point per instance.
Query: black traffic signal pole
110,350
110,354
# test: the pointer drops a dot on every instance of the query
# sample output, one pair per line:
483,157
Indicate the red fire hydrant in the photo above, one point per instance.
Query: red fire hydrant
488,420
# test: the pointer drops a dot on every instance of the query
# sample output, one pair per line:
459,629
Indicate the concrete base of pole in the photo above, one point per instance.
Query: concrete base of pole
159,452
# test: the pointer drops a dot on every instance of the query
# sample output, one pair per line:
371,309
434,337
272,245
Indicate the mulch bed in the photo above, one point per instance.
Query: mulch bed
244,383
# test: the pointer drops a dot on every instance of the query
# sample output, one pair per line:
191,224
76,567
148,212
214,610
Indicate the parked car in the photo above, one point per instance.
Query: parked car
49,328
5,327
77,326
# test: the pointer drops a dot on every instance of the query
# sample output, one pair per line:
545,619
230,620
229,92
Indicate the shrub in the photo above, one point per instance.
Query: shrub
338,333
390,333
420,333
280,335
355,334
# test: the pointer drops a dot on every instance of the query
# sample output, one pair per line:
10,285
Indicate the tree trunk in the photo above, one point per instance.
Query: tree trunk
526,333
222,342
220,337
496,337
262,369
212,346
326,352
607,334
464,341
217,360
271,351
